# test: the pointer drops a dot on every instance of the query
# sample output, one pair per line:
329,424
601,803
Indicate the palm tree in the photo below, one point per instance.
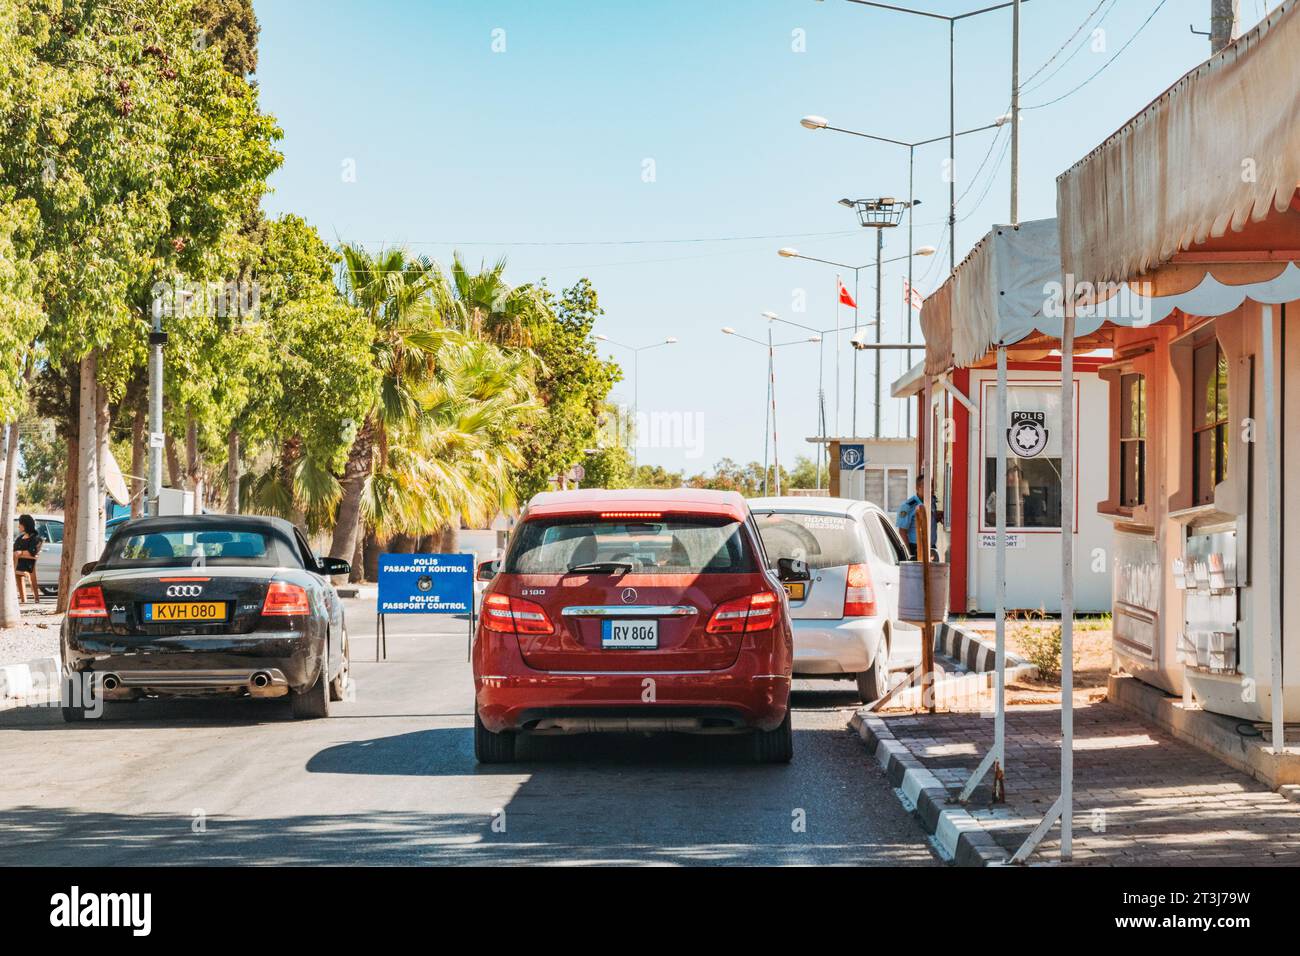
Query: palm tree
455,461
396,292
484,306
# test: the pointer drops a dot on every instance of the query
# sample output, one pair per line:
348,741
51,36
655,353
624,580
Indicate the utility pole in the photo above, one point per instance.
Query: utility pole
1015,114
1223,23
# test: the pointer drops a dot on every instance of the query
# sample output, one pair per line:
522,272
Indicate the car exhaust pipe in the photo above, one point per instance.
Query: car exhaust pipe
111,682
261,679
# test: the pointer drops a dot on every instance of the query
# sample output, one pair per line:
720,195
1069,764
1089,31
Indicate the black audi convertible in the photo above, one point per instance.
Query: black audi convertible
206,605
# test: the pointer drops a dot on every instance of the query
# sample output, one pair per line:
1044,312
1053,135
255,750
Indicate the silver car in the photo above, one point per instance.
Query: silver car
844,618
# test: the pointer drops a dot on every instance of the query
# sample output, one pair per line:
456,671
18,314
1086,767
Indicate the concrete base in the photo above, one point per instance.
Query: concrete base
1213,733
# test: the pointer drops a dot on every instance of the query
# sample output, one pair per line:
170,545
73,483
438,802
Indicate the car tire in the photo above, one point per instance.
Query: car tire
339,685
873,684
775,746
490,747
314,702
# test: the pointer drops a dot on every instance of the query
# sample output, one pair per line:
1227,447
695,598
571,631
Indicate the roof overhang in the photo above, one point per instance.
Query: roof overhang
1218,149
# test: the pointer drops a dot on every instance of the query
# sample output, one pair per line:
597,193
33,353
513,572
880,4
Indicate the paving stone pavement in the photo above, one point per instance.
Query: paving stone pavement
1142,797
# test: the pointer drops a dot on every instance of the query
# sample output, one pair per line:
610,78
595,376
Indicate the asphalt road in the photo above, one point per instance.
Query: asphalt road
391,779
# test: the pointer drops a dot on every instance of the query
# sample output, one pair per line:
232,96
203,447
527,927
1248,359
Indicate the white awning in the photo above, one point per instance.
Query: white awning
1001,293
1218,149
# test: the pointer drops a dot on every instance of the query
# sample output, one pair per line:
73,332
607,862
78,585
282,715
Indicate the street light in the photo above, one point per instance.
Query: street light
636,351
820,122
769,422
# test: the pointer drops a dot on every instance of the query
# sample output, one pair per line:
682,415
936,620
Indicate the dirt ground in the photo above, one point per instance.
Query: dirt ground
1092,658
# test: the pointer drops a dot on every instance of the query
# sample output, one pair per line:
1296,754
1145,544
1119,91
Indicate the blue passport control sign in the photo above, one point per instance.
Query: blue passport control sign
426,583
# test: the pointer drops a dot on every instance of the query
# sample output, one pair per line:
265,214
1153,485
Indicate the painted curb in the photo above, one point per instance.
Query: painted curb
18,680
958,837
976,653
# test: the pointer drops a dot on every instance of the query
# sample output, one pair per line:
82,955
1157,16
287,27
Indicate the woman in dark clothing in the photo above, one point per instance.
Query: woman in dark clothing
26,546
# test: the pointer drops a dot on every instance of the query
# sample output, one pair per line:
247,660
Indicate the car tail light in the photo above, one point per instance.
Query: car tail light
284,599
512,615
859,592
754,612
655,515
88,602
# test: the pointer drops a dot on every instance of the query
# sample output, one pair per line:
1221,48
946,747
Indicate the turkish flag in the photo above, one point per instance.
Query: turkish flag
845,298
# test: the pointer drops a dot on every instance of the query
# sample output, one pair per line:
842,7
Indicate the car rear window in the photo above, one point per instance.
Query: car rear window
823,541
186,546
671,545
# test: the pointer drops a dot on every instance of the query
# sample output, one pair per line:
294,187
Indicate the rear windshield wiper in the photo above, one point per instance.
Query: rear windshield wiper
601,567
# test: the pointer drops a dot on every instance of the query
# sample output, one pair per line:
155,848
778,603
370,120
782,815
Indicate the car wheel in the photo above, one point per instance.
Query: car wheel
339,685
775,746
873,684
314,702
490,747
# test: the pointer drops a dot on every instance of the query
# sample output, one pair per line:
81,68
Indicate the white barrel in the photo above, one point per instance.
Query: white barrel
911,593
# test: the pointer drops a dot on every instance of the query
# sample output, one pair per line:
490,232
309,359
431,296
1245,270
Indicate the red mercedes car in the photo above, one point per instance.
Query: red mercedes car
634,611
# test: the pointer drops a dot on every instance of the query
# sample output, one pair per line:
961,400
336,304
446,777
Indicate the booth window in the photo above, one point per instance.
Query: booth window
1033,480
1133,440
1209,421
889,486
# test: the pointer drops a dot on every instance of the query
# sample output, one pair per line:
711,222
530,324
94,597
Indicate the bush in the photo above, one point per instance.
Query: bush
1039,639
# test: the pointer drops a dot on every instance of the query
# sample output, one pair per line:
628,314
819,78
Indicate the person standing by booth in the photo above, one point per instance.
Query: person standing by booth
906,519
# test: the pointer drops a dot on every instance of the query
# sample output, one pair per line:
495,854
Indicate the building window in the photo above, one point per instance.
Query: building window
1209,421
888,486
1033,469
1133,440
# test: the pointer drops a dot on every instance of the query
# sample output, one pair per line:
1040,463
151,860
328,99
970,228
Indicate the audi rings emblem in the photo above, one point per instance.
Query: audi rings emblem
629,595
184,590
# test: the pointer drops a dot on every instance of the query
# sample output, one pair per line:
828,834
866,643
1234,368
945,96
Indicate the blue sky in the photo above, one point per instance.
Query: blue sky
540,152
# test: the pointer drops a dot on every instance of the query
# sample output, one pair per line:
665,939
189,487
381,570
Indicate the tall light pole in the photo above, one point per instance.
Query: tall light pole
636,351
878,214
820,122
769,424
786,252
952,96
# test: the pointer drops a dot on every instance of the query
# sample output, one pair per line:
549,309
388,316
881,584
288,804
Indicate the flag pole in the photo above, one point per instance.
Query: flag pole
837,355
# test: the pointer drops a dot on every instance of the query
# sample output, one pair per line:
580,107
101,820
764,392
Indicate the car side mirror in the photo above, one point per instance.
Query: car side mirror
88,567
331,567
792,569
487,570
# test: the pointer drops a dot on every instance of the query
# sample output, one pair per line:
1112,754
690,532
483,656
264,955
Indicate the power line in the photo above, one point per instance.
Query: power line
1029,79
1066,62
612,242
1102,68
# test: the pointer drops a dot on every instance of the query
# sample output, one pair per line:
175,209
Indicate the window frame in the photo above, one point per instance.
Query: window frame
1217,428
1140,440
988,409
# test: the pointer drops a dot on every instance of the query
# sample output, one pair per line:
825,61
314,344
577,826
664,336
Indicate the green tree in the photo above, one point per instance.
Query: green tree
804,474
40,482
484,306
727,475
573,383
656,476
232,26
140,152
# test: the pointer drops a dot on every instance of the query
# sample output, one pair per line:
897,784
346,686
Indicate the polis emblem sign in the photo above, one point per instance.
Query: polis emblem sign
1027,436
